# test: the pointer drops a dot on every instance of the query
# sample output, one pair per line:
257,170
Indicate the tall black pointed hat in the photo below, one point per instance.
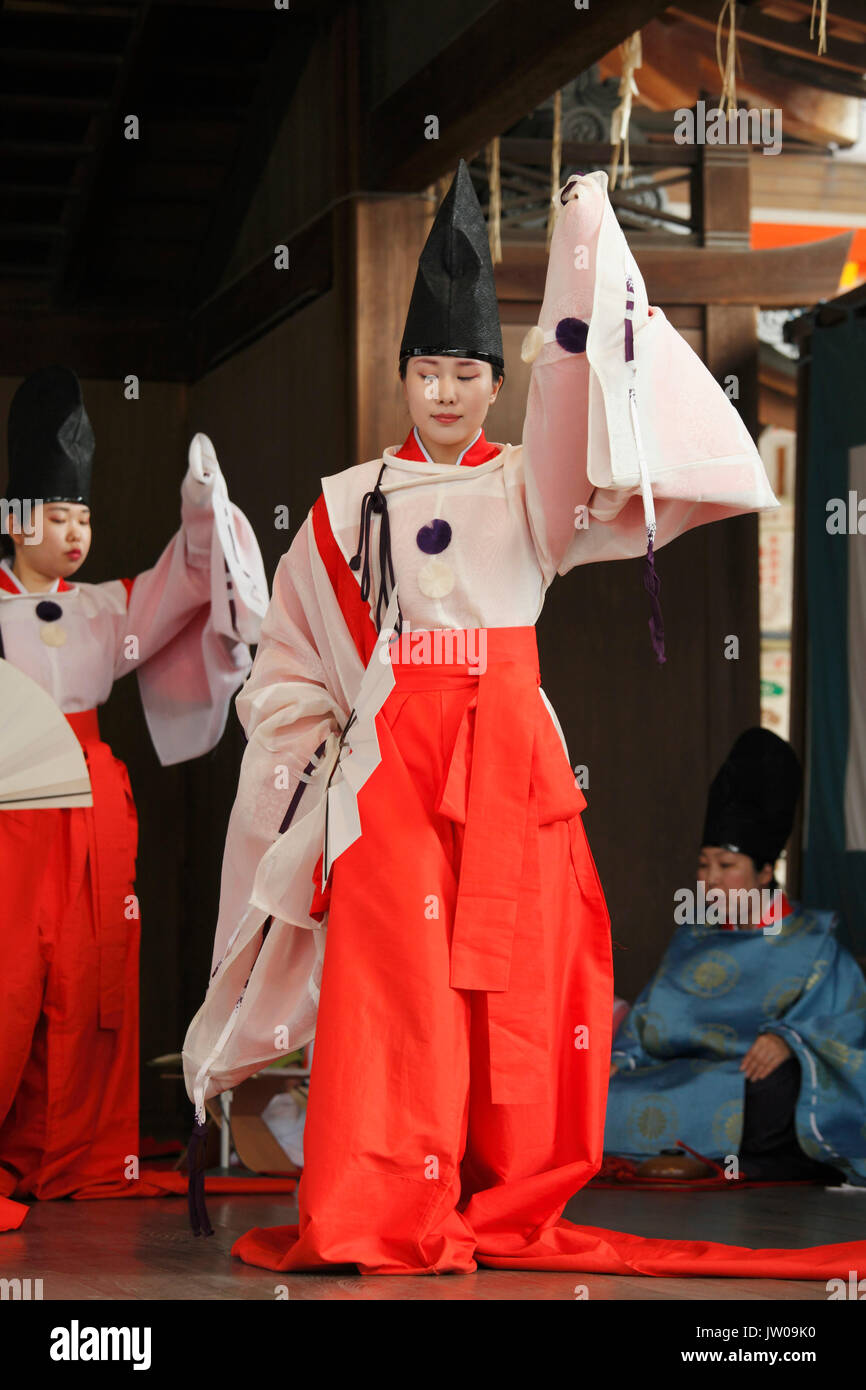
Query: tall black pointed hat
51,439
753,797
453,310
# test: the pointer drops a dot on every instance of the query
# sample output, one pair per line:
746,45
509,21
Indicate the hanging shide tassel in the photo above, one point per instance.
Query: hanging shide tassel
651,581
494,217
728,69
555,163
195,1157
619,121
822,25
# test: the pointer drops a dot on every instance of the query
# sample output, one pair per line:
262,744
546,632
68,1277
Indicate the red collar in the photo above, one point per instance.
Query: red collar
767,918
8,585
479,452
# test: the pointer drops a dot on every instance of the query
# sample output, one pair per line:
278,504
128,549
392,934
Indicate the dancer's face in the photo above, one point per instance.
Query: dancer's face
449,397
64,528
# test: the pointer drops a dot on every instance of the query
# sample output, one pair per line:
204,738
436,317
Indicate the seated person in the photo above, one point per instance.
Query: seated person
750,1039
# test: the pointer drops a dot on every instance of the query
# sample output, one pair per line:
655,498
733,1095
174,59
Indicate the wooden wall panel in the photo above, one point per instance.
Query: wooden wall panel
387,235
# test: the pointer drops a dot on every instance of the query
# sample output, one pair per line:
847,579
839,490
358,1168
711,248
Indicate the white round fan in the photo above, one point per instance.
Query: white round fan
41,761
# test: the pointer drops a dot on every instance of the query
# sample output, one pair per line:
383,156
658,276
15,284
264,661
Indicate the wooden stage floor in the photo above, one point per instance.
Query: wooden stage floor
128,1250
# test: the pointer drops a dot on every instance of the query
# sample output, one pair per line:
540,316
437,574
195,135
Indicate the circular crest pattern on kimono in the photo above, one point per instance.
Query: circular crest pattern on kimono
654,1120
779,999
719,1039
844,1056
794,925
819,970
714,974
728,1126
655,1033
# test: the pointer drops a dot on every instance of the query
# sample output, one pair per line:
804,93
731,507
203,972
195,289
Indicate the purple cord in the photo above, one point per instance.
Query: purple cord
652,584
195,1155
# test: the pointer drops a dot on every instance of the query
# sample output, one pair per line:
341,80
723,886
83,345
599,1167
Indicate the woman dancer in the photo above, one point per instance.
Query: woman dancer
462,1006
70,926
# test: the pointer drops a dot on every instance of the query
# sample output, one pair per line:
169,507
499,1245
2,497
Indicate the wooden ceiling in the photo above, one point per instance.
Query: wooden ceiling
125,241
779,65
85,212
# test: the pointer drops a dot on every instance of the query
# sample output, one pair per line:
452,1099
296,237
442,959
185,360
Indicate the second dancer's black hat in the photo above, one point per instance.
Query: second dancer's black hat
51,440
453,311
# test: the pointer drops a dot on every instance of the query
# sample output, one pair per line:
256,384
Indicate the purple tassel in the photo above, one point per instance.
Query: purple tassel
195,1155
652,584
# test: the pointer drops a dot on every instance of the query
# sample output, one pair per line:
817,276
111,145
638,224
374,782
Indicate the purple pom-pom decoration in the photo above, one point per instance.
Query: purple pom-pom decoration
571,335
435,537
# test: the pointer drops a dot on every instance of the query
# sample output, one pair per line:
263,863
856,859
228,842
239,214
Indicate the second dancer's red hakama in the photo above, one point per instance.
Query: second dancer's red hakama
69,988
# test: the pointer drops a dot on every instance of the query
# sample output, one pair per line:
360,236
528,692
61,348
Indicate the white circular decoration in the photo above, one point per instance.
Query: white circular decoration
532,344
436,579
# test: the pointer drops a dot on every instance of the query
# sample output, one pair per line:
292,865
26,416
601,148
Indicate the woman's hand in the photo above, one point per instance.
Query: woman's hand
613,1068
766,1053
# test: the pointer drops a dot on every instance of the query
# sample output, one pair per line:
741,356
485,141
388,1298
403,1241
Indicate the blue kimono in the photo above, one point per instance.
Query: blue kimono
680,1048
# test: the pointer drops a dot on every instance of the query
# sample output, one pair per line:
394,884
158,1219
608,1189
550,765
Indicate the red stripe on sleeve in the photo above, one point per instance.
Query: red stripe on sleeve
344,582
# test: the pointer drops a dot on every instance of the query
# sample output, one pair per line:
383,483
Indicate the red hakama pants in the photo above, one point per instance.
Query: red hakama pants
462,1056
69,989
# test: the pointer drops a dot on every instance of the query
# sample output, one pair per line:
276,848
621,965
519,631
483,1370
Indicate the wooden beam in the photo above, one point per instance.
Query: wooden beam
511,58
758,28
825,79
106,345
262,298
596,153
686,55
779,277
845,13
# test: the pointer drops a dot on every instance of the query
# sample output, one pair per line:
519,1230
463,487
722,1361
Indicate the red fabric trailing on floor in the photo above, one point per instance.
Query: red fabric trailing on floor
594,1250
151,1182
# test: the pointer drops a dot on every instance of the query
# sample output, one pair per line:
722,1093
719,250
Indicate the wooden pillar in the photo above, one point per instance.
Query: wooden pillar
377,242
388,236
799,618
731,551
